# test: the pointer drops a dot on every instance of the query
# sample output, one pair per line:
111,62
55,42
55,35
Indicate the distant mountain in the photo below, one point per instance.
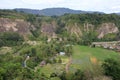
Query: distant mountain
59,11
31,11
118,13
53,11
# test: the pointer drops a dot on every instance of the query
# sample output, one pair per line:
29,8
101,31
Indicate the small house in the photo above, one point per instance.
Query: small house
62,53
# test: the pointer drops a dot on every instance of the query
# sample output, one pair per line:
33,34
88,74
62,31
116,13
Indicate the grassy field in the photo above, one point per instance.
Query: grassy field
52,68
85,56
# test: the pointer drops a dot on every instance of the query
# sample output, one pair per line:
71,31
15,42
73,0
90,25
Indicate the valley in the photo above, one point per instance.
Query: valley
64,47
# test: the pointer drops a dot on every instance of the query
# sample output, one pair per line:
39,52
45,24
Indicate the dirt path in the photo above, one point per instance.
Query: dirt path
68,65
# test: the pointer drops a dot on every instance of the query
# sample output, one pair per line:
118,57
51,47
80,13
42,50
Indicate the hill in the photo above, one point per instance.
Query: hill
53,11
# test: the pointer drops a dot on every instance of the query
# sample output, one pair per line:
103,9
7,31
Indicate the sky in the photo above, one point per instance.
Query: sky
107,6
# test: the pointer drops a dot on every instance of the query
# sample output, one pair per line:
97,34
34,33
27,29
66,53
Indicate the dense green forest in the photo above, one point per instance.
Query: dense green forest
46,53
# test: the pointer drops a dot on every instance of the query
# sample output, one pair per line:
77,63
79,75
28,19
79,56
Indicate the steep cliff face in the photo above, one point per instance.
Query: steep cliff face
101,30
48,29
16,25
74,30
88,27
106,28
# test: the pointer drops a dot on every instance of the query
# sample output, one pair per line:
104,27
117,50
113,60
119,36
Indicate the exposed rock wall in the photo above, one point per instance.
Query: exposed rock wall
74,29
88,27
107,28
48,29
17,25
101,30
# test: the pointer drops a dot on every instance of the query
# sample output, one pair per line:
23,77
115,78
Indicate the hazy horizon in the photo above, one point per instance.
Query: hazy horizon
107,6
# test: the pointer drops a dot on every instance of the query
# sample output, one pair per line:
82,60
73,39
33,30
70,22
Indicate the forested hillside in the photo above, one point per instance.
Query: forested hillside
69,27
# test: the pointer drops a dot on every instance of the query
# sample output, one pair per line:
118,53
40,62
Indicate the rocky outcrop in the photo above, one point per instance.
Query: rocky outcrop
107,28
15,25
109,45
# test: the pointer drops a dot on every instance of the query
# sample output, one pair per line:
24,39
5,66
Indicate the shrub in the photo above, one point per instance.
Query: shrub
112,68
